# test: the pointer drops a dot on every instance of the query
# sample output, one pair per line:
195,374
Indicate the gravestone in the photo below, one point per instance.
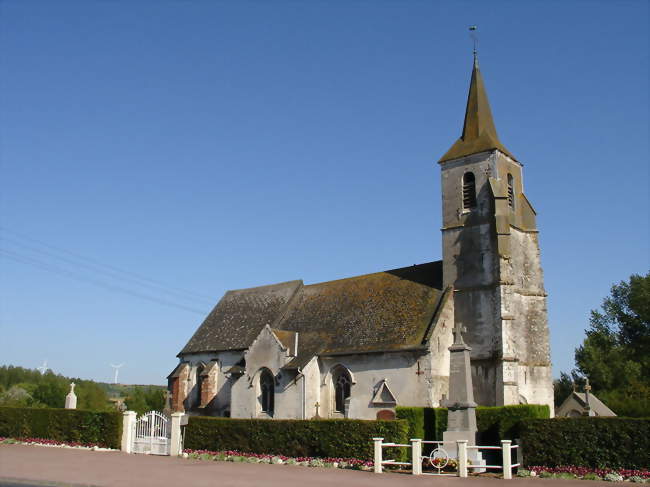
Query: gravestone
71,398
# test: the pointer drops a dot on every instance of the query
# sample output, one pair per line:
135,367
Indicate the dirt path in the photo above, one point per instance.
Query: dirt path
61,466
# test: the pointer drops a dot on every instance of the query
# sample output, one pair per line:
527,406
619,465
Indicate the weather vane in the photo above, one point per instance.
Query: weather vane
472,34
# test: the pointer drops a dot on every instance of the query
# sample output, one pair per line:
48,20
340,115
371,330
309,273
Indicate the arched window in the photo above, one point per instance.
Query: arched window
511,192
267,391
199,383
342,383
469,191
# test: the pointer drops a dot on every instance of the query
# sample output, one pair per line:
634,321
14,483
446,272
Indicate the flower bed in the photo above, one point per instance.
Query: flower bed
237,456
54,443
587,473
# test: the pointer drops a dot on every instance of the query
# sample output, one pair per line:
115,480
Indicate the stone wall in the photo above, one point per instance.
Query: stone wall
491,258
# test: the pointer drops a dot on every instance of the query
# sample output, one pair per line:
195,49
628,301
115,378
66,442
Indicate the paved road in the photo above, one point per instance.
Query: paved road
23,465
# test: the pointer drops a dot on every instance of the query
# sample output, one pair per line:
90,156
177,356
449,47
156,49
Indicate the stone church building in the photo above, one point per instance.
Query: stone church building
359,347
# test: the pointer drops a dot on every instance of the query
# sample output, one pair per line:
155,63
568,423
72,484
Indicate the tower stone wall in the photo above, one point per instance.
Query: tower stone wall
491,260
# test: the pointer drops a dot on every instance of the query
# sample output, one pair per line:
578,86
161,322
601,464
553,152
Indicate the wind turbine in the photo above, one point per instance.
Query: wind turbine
43,368
117,369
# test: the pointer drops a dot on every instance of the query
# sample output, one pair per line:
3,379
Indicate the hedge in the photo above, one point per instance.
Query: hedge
493,423
502,423
74,425
424,423
326,438
588,442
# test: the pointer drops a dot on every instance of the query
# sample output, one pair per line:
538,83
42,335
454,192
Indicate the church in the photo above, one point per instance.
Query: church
361,346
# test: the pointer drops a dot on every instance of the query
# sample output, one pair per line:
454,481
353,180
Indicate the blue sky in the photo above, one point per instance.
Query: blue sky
208,146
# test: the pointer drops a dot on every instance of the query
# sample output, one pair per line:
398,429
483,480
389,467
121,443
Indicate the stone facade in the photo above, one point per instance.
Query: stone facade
361,346
416,378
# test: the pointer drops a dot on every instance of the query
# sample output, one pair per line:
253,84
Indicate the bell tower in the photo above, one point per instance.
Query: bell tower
491,260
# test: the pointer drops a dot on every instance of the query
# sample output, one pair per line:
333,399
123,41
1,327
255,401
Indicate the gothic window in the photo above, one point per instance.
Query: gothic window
511,192
199,384
267,391
469,191
342,383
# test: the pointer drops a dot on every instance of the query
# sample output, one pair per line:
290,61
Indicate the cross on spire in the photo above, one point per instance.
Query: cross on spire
458,333
472,34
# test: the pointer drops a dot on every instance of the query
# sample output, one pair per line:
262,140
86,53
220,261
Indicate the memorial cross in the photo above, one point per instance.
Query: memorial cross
458,333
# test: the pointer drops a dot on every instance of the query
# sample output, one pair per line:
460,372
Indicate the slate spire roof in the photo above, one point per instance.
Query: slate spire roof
479,132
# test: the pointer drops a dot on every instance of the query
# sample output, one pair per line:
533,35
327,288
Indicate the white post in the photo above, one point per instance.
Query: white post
154,418
128,422
175,440
461,446
416,450
378,458
507,460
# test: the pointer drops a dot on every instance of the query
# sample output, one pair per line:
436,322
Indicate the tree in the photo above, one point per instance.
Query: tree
51,392
615,355
91,395
616,352
17,396
144,399
49,389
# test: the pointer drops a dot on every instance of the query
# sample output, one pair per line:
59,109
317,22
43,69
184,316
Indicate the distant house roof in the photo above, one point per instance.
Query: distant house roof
577,401
384,311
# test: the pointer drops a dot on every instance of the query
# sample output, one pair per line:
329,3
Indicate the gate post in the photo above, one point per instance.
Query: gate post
128,425
416,460
507,459
377,454
175,440
461,446
416,456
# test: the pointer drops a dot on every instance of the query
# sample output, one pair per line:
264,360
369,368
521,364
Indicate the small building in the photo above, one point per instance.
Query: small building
583,404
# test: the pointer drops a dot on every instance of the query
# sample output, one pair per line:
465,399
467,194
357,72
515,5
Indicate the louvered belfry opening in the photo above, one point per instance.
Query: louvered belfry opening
469,191
511,192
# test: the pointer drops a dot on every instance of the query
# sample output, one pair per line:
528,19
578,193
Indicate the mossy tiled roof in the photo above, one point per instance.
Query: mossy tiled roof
384,311
239,317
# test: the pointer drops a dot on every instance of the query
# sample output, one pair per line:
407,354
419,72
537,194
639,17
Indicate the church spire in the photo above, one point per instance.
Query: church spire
479,132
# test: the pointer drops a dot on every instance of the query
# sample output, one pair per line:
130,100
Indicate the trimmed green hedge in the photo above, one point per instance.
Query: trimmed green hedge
339,438
502,423
587,442
99,428
424,423
494,423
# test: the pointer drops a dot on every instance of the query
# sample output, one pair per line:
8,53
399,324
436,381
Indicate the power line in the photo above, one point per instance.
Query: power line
97,266
105,273
58,270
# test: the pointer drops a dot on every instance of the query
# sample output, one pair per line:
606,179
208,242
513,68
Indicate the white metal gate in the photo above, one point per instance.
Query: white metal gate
152,434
